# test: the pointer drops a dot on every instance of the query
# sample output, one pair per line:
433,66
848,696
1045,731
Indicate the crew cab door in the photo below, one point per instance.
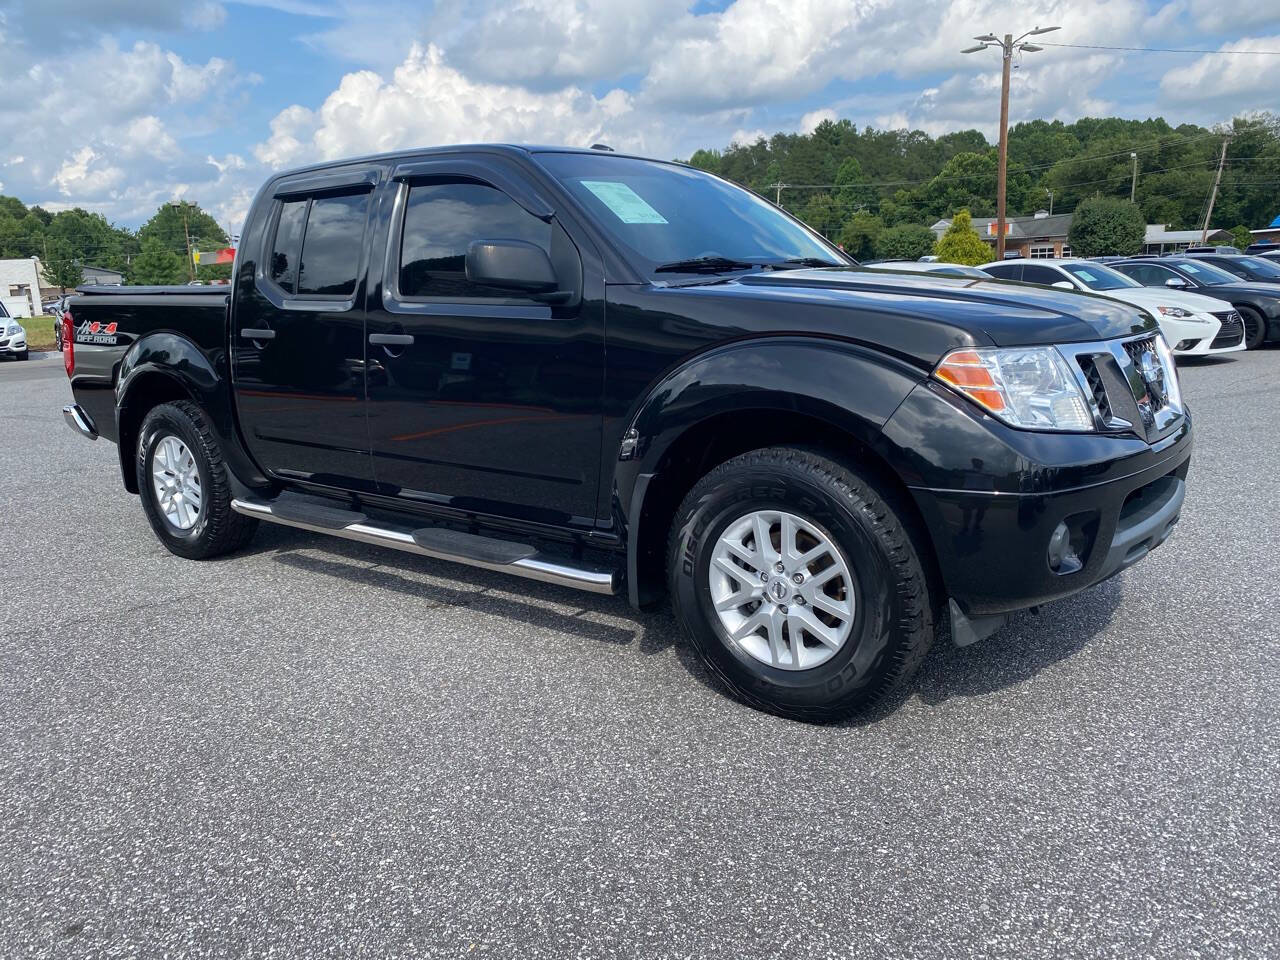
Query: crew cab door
298,330
483,398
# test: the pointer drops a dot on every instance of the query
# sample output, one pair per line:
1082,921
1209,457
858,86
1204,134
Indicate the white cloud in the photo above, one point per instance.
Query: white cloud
1243,82
86,173
427,102
809,122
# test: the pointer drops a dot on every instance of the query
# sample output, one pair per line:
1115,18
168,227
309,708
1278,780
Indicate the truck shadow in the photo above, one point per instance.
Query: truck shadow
1018,652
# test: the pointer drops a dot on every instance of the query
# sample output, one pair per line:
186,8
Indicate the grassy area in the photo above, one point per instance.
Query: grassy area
39,332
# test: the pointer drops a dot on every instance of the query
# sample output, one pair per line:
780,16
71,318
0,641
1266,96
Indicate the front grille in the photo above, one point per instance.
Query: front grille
1232,332
4,342
1093,377
1130,385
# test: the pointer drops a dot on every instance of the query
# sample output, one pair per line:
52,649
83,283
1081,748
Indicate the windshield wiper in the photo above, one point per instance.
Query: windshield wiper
704,265
806,262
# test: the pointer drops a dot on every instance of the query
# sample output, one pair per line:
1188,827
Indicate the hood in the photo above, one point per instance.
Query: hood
985,312
1151,297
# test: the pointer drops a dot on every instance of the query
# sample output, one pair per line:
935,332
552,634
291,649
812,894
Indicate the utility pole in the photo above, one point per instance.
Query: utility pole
1213,195
1133,188
777,196
1007,48
1050,193
186,232
1002,177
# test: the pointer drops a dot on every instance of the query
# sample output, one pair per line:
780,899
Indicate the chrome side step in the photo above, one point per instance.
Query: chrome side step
436,542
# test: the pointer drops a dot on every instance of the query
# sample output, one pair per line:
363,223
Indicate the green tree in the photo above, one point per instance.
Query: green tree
62,269
167,225
156,265
1106,226
1241,236
961,243
907,241
860,234
822,214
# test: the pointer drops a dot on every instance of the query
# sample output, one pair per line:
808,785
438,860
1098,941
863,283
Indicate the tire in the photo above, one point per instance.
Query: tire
888,627
24,355
215,528
1255,327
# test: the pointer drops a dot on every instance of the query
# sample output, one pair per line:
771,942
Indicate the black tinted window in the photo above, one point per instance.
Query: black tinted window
331,251
1005,271
441,219
288,243
1046,276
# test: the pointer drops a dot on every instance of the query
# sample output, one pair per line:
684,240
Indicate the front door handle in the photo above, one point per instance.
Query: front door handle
391,339
253,333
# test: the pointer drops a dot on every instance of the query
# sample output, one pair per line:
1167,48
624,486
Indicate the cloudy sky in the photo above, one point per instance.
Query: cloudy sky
119,105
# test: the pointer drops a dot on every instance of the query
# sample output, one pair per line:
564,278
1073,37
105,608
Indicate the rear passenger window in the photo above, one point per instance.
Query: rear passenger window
318,242
287,248
441,219
1005,271
1045,276
334,241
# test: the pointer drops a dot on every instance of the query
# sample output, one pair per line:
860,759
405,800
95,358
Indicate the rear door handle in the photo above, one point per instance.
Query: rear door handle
391,339
253,333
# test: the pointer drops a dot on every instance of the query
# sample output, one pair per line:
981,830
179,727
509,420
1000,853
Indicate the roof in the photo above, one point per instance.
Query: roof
509,149
1020,228
90,266
1160,233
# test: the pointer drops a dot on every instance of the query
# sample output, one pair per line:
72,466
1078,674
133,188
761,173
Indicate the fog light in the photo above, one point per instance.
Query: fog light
1062,559
1185,345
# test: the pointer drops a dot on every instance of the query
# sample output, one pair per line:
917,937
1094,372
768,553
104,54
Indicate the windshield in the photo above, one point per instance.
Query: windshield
1097,277
667,214
1206,273
1257,267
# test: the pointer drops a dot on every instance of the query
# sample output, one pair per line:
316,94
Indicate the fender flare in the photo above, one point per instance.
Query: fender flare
852,388
184,368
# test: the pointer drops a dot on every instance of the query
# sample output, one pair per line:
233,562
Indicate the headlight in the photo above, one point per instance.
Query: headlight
1029,387
1177,313
13,330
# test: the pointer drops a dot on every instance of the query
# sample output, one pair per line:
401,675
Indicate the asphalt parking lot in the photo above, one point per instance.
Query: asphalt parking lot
316,748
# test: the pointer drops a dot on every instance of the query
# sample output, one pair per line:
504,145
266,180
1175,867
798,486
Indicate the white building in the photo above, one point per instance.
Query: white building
20,287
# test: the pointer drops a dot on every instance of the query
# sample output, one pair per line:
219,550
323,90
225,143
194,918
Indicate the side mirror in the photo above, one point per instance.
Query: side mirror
1177,283
1064,285
512,265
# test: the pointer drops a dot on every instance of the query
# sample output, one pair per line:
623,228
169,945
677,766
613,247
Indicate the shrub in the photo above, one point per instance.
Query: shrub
961,243
1106,226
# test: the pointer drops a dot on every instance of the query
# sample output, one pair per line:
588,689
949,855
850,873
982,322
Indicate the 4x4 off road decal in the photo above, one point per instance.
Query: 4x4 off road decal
95,332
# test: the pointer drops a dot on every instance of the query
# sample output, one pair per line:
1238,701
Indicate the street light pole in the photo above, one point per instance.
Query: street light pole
1007,48
1133,188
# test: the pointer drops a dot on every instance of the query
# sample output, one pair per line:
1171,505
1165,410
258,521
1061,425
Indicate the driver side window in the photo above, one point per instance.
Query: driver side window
441,219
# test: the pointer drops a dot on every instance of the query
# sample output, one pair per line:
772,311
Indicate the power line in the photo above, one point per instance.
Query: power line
1099,46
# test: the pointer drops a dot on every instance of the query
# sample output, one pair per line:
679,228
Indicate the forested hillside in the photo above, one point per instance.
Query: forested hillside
850,183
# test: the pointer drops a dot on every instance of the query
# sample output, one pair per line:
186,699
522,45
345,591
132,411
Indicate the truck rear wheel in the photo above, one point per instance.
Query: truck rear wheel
184,486
798,585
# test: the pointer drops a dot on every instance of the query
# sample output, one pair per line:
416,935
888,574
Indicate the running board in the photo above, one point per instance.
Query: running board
439,543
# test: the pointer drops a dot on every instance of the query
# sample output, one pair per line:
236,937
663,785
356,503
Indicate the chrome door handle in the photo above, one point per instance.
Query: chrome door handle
253,333
391,339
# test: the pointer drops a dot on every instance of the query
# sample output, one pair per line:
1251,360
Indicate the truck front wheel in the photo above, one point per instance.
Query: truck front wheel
184,485
798,585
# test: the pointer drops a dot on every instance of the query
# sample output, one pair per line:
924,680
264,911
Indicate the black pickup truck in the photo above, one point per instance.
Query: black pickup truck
624,375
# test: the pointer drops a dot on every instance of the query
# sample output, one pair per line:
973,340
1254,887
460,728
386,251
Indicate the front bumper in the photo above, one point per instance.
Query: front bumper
1208,337
993,548
15,344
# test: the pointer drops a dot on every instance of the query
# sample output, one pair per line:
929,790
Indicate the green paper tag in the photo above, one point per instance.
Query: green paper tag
627,205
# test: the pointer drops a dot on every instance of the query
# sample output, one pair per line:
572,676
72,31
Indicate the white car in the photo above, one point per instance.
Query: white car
13,338
1193,325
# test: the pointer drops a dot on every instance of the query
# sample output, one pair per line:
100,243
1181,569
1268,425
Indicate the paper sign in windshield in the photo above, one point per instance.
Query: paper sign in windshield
625,204
1086,276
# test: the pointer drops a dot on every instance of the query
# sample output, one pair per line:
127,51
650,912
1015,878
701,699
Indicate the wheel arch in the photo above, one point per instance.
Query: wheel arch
163,367
829,397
